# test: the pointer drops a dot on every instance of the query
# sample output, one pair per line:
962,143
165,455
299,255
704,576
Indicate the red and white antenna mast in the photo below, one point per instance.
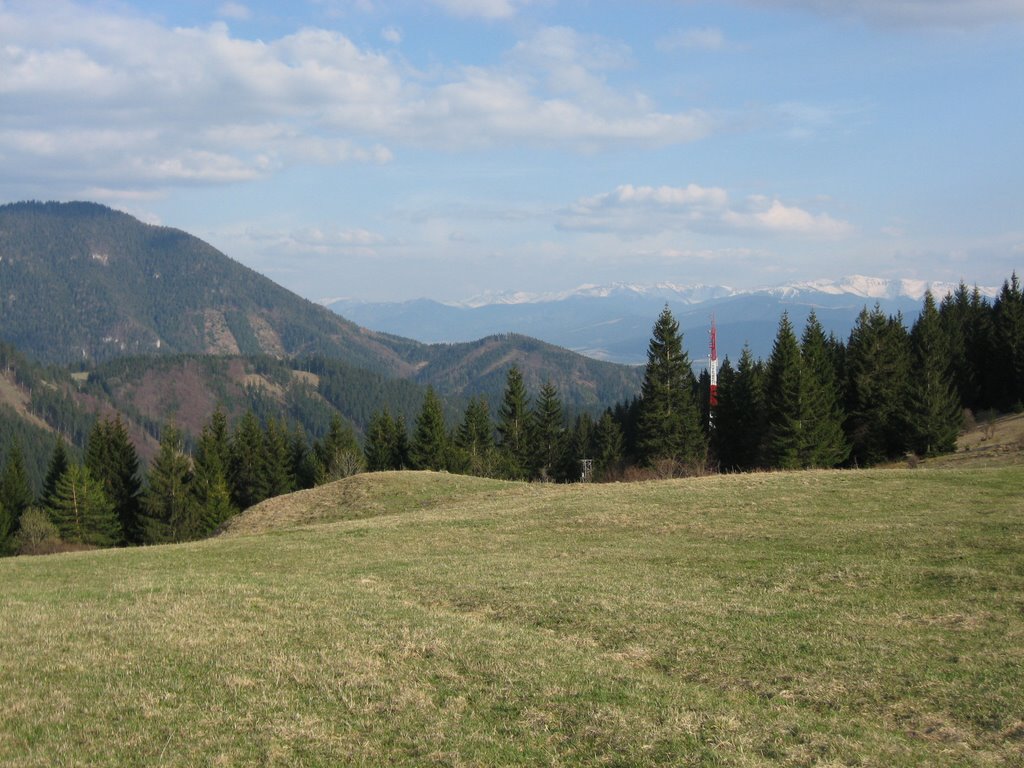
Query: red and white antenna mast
713,364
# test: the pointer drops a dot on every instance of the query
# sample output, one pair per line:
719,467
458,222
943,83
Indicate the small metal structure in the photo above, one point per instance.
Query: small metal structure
713,368
586,470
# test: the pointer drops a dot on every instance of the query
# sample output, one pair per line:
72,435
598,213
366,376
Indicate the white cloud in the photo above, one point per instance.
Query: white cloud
483,9
631,209
235,11
391,35
921,13
94,97
696,38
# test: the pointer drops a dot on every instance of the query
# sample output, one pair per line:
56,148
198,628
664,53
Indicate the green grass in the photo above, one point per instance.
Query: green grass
871,618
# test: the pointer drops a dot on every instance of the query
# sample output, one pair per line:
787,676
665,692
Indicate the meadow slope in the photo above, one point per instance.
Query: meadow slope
870,618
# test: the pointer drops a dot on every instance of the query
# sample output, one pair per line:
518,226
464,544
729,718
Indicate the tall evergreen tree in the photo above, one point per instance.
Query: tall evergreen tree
15,491
381,442
339,452
669,420
169,512
740,416
579,445
59,462
547,433
824,442
247,468
429,446
1008,313
305,467
935,411
113,460
81,510
955,322
474,439
210,490
514,426
608,447
784,389
278,451
878,379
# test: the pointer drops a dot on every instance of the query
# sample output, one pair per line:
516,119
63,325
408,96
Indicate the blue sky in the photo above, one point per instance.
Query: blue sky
446,148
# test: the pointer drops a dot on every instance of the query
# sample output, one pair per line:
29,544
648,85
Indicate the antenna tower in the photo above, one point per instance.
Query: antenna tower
713,367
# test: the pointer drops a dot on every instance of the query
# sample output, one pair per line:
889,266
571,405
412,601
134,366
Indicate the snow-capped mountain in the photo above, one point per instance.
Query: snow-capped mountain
613,322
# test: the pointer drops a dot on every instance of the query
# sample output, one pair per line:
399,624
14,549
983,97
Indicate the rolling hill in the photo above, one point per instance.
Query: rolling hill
813,618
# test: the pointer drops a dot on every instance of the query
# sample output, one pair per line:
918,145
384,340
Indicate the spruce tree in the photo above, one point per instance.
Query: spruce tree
15,491
935,411
954,320
305,468
380,444
1008,315
113,460
247,468
547,433
58,465
784,389
277,449
669,419
474,439
429,446
169,511
740,416
209,488
878,379
81,510
514,427
608,447
579,445
823,442
339,452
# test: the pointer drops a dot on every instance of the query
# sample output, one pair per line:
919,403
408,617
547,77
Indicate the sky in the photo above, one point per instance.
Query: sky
390,150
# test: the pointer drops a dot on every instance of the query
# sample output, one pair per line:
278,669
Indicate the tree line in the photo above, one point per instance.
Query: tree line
817,401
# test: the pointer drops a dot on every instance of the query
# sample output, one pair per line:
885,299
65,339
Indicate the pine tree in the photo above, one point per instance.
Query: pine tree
474,439
935,411
669,419
211,493
112,459
58,465
878,379
954,320
1008,315
740,416
784,389
381,446
247,468
305,468
81,510
15,491
579,445
824,443
608,446
547,433
169,512
429,447
277,449
339,452
514,427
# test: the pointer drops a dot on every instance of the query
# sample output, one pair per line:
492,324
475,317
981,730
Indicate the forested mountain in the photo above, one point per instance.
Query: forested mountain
82,284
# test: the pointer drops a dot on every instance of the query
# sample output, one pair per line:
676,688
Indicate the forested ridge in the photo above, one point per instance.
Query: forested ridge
886,392
82,284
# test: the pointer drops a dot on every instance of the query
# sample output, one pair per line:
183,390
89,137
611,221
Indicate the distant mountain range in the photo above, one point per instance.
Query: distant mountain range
614,322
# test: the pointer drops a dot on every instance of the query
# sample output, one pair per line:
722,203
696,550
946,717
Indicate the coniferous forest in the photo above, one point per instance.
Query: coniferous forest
885,392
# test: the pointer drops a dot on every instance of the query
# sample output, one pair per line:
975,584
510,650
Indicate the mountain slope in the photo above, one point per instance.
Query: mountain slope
80,282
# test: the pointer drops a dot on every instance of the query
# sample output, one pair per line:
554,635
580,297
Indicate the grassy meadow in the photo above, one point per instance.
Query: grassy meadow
868,618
